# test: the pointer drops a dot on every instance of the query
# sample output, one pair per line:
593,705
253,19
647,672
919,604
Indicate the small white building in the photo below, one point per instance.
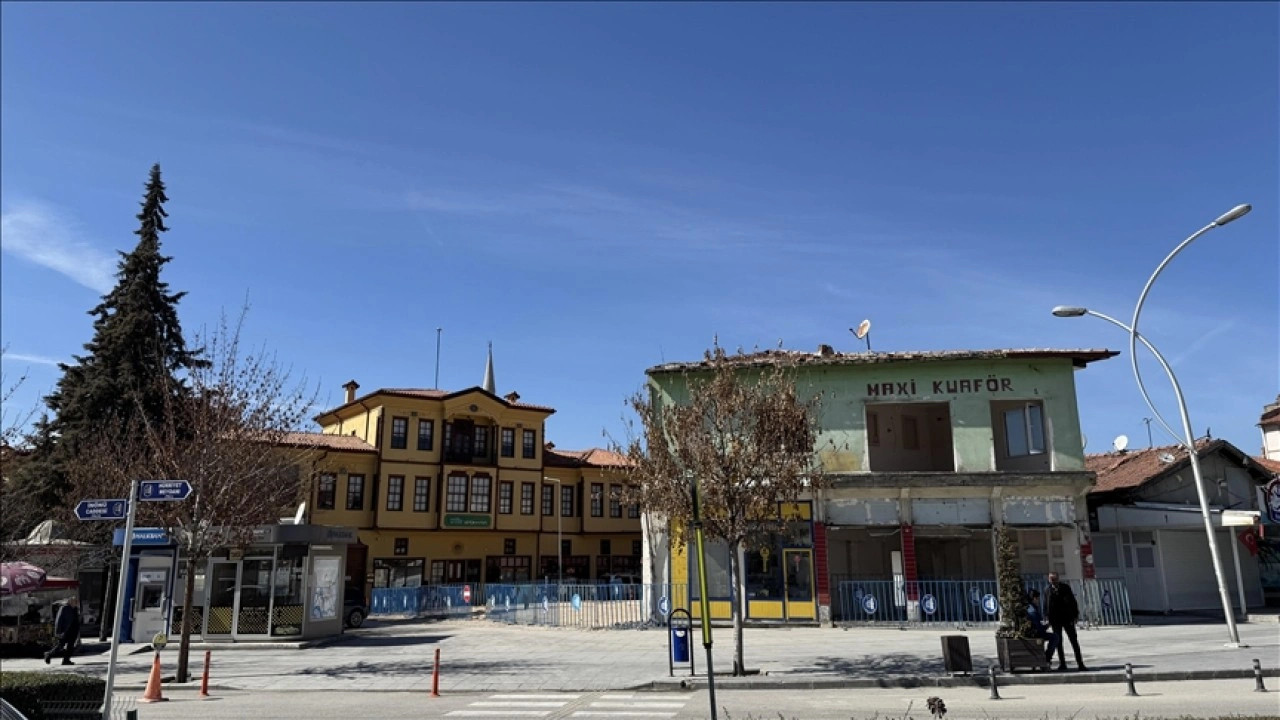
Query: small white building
1148,528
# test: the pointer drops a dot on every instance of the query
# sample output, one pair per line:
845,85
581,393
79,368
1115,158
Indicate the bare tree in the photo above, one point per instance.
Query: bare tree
17,506
744,432
231,432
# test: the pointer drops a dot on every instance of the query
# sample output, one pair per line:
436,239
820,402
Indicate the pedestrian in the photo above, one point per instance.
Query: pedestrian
66,628
1040,626
1062,611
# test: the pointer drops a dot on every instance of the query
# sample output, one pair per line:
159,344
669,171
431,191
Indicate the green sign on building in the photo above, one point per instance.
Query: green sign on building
466,521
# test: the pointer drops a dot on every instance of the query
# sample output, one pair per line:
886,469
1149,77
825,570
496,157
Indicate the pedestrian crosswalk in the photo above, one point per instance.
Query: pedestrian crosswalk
571,705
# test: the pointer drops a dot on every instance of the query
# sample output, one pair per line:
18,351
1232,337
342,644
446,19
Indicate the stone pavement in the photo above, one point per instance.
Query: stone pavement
478,655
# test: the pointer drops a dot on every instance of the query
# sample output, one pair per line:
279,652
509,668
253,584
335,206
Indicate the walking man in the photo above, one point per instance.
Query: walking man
66,628
1061,610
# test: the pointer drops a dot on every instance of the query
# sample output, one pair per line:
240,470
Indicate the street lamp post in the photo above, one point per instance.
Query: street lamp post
559,511
1187,437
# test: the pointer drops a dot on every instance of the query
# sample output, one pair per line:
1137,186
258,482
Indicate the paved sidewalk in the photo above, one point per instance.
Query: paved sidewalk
479,655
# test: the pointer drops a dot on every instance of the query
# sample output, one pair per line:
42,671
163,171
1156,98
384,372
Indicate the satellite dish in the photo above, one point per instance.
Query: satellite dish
864,327
1167,458
1120,443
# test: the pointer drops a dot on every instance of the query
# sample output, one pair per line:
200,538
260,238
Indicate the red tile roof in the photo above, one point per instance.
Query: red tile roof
827,356
593,458
1271,465
1134,468
327,441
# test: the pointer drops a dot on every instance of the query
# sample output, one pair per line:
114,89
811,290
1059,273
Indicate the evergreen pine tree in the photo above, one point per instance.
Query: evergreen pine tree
1013,600
137,354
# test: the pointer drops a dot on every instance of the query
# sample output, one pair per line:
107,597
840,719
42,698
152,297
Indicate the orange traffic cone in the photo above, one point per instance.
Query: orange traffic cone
152,693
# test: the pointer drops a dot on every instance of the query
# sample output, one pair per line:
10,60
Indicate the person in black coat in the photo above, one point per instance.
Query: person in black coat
66,628
1062,612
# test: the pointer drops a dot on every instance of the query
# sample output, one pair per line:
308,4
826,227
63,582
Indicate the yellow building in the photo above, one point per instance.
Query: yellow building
462,487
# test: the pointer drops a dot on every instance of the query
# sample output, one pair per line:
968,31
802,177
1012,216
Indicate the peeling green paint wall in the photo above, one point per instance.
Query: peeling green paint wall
967,386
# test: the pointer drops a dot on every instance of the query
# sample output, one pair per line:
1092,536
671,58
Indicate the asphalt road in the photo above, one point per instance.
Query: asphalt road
1201,699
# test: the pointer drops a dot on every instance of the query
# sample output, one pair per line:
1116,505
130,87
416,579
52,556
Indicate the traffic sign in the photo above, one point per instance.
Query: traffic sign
989,604
869,604
664,606
929,604
466,594
162,490
102,509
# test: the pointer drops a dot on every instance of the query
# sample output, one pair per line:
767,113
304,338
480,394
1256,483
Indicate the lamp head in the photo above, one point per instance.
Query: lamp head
1234,213
1068,311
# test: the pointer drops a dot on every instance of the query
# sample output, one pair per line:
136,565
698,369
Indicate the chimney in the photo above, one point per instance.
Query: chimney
826,350
351,388
512,397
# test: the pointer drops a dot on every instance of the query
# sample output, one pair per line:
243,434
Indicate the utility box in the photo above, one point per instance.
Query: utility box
955,654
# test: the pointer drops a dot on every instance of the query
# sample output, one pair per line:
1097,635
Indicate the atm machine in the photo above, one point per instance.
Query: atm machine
149,581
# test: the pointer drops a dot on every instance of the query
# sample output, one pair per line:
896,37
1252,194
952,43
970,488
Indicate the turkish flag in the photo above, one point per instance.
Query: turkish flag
1250,539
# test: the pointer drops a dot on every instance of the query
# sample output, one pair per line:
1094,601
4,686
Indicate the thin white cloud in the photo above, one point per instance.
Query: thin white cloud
30,359
46,236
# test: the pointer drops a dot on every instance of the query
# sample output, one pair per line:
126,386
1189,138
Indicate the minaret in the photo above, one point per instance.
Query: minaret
488,385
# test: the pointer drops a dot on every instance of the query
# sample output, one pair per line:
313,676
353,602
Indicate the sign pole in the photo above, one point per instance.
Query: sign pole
120,589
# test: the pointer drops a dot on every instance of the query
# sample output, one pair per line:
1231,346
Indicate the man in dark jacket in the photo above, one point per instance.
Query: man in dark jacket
66,628
1061,610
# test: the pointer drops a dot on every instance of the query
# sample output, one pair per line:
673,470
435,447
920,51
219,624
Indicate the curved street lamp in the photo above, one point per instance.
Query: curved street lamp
1188,437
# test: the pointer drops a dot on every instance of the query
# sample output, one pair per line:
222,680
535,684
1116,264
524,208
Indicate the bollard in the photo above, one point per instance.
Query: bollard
995,692
1128,677
435,676
1257,676
204,679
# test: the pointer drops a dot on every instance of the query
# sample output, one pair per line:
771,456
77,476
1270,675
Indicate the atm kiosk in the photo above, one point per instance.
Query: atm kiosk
149,579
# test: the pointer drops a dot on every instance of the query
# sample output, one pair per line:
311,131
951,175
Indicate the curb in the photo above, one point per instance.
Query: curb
978,680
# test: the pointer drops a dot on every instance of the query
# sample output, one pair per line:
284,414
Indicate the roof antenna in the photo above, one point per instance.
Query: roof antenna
1149,442
438,331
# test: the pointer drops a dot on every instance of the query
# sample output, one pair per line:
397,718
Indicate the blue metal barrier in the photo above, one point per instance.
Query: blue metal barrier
965,603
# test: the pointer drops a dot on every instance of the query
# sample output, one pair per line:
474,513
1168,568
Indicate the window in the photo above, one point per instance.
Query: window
508,568
421,494
530,444
506,489
637,547
548,500
480,489
482,442
389,572
1024,430
566,547
615,501
355,492
325,491
456,494
526,498
597,500
395,492
399,433
606,547
633,511
426,434
508,442
566,501
509,546
402,546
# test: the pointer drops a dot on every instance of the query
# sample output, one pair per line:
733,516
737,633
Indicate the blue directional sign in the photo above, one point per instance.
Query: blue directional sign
102,509
164,489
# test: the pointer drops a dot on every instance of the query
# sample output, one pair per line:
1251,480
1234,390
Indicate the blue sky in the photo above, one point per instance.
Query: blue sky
598,187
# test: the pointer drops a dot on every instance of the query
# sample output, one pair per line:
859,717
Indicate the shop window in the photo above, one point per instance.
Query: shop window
508,569
397,572
717,553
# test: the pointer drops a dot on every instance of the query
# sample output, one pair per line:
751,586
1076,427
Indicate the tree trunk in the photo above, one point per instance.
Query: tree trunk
737,607
184,643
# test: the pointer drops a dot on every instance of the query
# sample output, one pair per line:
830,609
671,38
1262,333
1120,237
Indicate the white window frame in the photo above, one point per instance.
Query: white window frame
1021,419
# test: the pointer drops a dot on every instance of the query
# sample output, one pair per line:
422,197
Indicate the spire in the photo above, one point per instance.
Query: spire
488,373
